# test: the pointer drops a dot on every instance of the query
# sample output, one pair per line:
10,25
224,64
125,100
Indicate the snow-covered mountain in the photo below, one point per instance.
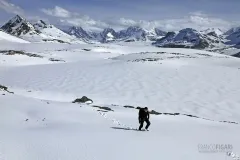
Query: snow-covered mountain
19,26
212,38
155,34
132,33
108,35
38,32
191,38
78,32
233,37
213,31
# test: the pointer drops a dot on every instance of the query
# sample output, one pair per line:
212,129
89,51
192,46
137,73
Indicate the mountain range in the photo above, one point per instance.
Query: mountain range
132,33
191,38
185,38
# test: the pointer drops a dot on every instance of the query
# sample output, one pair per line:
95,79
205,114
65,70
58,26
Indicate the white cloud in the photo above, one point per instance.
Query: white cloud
57,12
10,8
85,22
196,20
75,19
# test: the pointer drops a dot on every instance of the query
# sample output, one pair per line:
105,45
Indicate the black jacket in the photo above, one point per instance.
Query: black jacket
142,114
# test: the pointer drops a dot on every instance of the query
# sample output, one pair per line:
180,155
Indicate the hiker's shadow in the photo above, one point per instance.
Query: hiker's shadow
125,128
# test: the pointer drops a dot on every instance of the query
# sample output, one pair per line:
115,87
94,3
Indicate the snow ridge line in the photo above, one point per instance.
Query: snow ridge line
171,114
188,115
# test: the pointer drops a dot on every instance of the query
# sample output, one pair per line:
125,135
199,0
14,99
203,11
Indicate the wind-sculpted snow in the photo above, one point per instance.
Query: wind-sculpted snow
39,129
196,92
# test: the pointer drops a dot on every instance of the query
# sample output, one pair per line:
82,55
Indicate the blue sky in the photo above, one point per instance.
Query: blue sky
98,14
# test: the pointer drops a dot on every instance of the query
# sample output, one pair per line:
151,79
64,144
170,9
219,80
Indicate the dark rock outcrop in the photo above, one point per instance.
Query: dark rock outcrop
4,88
128,106
84,99
103,108
13,52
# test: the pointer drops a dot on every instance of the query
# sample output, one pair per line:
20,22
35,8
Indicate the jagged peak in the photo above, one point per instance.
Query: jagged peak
17,19
18,26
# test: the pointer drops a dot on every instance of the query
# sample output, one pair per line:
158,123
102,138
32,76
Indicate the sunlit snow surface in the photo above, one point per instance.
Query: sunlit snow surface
39,121
9,38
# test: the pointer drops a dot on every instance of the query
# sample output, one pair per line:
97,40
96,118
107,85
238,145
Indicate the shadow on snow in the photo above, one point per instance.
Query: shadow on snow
125,128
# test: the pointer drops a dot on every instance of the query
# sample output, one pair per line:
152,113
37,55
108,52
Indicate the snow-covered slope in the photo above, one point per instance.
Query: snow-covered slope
54,33
42,129
143,66
9,38
196,94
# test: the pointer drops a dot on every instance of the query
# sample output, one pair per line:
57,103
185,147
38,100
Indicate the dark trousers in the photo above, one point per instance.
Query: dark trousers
141,121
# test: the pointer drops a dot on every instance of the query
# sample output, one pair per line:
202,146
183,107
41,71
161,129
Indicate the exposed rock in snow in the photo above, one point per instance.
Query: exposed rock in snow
84,99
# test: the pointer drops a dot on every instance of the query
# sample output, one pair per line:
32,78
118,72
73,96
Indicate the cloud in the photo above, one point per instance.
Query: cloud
57,12
85,22
196,20
70,18
10,8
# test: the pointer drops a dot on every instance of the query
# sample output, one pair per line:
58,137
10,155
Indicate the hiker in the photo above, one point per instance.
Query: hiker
143,116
